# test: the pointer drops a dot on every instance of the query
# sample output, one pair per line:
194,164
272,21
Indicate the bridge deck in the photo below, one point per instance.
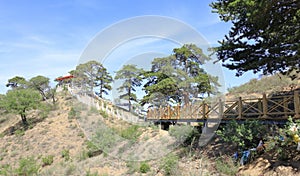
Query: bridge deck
277,109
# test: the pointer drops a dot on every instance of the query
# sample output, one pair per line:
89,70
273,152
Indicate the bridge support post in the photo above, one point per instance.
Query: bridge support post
297,104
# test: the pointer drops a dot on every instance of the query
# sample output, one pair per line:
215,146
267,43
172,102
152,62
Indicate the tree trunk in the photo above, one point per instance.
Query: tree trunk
129,97
100,91
23,117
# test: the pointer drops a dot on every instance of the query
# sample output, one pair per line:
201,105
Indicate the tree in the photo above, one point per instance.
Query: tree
178,77
41,84
17,82
19,101
162,82
103,80
196,80
265,36
131,75
92,74
85,75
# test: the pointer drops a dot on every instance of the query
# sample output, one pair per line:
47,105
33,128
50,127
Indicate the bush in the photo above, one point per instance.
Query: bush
27,166
6,170
103,114
89,173
65,154
243,136
144,167
226,166
19,132
185,135
131,133
284,143
48,160
169,164
72,113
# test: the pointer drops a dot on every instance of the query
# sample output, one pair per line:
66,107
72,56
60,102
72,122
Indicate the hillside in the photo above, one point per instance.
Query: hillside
74,139
266,84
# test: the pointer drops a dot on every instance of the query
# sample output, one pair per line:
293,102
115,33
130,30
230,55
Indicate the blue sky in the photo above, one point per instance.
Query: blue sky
48,37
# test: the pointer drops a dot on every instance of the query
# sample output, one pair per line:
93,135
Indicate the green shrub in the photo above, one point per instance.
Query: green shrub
243,136
6,170
27,166
48,160
185,134
65,154
19,132
283,144
226,166
103,114
131,133
93,110
144,167
72,113
170,164
89,173
132,167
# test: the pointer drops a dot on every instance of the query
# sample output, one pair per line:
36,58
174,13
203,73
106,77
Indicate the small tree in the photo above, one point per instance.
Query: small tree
19,101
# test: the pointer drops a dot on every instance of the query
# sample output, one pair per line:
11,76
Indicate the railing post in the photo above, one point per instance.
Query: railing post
240,108
203,110
178,111
296,104
285,107
221,109
265,106
169,112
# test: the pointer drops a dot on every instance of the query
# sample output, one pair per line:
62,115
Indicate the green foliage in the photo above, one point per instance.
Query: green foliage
41,84
66,154
264,36
131,133
103,114
89,173
226,165
19,132
178,77
6,170
284,143
27,166
17,82
185,134
92,74
105,138
131,76
266,84
93,149
245,135
93,110
19,101
72,113
144,167
48,160
132,167
169,164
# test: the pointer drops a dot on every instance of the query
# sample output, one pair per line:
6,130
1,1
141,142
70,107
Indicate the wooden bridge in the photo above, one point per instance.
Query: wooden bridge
273,108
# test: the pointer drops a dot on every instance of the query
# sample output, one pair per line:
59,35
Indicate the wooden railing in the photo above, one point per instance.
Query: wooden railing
271,108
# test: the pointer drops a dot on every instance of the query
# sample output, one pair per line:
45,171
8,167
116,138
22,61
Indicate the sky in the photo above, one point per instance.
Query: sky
50,37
